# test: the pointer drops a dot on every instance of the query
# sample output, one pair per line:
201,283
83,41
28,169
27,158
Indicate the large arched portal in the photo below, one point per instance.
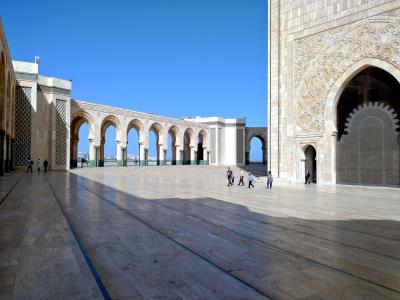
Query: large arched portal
368,150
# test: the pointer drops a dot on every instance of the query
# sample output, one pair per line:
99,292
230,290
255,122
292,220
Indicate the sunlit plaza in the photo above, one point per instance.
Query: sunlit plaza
181,233
200,149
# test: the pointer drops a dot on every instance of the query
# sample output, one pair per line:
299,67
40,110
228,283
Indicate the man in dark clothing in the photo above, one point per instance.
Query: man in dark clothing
308,176
29,165
45,165
229,175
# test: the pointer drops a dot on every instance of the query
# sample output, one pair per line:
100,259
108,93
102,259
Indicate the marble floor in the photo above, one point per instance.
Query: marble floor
181,233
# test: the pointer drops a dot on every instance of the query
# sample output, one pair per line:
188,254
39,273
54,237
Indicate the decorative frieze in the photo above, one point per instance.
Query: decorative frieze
376,38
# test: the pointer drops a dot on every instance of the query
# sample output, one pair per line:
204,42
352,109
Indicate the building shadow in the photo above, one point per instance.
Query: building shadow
225,247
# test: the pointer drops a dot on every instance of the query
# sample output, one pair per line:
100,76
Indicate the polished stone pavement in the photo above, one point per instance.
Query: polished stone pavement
181,233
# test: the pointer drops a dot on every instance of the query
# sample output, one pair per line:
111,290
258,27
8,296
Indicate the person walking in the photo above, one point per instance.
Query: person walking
270,179
250,180
233,177
241,178
229,176
45,165
39,165
29,165
308,177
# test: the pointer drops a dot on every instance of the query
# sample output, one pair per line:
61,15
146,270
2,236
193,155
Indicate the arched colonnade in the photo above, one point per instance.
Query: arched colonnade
190,143
7,109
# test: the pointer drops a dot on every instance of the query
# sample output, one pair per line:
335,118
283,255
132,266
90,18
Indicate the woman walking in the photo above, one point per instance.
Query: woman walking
269,180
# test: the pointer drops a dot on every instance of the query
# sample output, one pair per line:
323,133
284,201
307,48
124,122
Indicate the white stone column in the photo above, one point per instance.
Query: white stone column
302,170
161,155
119,154
92,154
178,155
333,157
205,156
192,156
142,158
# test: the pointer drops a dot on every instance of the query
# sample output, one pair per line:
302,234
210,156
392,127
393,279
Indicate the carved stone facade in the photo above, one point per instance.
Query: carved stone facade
373,38
315,49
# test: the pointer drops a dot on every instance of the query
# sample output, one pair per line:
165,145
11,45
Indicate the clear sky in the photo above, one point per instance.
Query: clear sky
169,57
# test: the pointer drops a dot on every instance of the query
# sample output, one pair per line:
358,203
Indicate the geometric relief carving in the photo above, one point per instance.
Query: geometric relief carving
377,38
61,132
368,153
23,125
239,146
213,148
307,48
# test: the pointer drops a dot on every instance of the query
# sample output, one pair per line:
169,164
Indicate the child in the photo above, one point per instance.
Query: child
250,179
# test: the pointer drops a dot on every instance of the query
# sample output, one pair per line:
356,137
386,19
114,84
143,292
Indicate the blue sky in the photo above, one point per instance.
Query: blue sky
170,57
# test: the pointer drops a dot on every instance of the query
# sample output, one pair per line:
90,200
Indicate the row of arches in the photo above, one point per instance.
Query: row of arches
7,113
137,143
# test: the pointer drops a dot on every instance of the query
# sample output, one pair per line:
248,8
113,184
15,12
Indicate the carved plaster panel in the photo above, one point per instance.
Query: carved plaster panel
376,38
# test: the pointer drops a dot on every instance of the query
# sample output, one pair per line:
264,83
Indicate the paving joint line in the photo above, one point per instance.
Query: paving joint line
180,244
92,268
11,189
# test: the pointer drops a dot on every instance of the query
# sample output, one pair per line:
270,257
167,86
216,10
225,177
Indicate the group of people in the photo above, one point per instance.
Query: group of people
39,165
250,179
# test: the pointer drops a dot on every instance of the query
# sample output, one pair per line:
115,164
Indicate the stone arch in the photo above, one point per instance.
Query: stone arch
334,94
189,147
174,131
366,114
77,120
373,38
308,156
261,134
158,130
202,148
337,89
138,126
108,121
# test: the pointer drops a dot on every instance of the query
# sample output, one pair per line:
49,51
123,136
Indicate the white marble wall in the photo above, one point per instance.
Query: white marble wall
310,60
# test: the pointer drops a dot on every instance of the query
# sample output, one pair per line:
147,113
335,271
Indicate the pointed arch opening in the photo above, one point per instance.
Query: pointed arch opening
202,153
188,148
110,149
310,164
153,152
82,152
134,142
172,151
367,122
